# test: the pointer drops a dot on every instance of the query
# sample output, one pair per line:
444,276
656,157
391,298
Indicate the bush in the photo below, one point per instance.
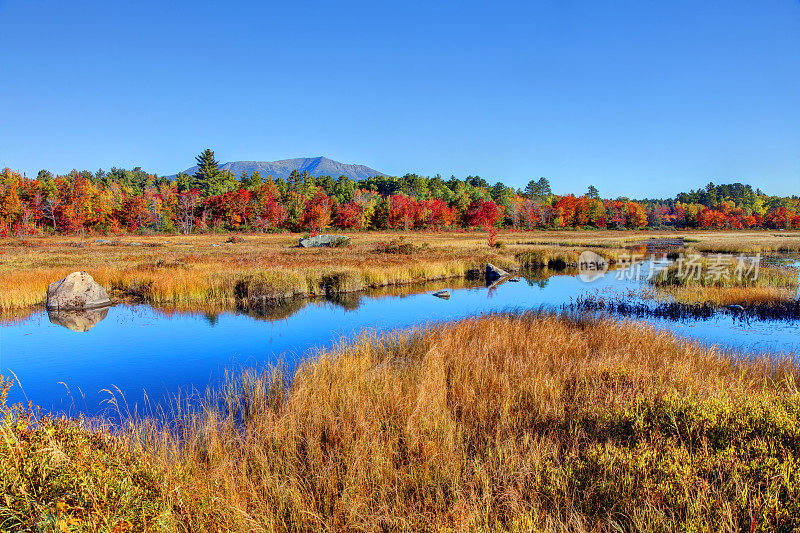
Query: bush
58,474
340,242
396,246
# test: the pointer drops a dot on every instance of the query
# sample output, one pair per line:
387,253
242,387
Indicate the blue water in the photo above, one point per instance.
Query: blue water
147,356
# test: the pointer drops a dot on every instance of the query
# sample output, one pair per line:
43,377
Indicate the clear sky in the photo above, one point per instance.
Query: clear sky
641,98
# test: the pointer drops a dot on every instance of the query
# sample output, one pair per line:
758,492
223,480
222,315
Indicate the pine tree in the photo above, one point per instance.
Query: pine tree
185,182
538,190
208,172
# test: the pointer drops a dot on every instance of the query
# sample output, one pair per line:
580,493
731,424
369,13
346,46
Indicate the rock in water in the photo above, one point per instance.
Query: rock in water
493,272
324,240
735,309
442,294
77,320
76,291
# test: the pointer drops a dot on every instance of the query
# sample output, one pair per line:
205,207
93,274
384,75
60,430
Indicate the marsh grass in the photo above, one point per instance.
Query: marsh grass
558,258
199,270
772,284
727,296
205,269
496,423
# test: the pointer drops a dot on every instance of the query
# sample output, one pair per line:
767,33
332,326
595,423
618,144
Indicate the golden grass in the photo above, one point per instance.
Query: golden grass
724,296
555,257
710,241
196,270
184,271
771,284
497,423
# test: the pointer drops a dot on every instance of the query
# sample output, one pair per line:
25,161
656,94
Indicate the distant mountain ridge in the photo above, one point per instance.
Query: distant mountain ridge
316,166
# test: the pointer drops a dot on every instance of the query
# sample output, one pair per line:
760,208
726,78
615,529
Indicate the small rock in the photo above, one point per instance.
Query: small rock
102,241
514,280
76,291
134,244
324,240
493,272
442,294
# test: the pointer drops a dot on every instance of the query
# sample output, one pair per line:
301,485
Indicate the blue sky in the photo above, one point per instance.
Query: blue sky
640,98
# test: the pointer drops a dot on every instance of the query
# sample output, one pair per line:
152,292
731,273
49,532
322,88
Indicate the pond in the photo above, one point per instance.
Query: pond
149,356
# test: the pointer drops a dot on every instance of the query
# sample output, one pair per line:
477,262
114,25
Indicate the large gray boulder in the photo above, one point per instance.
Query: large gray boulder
324,240
493,272
76,291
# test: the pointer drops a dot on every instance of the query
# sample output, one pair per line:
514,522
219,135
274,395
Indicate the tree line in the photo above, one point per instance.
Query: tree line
120,201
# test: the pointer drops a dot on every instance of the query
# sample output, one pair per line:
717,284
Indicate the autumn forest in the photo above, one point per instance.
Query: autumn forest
120,201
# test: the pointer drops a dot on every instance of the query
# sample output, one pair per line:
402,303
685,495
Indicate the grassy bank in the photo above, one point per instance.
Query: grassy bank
559,258
707,241
197,270
726,296
772,284
498,423
184,271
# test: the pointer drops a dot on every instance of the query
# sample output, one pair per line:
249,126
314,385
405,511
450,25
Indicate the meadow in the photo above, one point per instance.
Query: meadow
722,285
220,269
507,422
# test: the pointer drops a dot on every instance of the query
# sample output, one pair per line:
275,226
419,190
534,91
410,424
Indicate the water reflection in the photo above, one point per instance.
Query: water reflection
155,353
77,320
280,310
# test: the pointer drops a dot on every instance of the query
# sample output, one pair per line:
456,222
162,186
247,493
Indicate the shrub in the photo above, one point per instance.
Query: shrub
396,246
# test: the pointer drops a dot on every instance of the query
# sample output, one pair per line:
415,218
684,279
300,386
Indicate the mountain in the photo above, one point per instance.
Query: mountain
316,166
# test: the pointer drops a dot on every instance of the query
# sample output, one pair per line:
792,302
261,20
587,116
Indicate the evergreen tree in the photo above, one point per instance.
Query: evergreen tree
538,189
226,181
250,182
208,172
185,182
44,175
294,181
592,192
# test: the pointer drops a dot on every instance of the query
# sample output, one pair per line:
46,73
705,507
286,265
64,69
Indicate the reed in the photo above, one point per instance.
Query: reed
199,270
726,286
557,258
496,423
705,272
726,296
202,269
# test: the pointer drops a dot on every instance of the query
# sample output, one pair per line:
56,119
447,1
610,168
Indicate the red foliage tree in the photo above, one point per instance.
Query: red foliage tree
401,210
348,215
317,212
483,213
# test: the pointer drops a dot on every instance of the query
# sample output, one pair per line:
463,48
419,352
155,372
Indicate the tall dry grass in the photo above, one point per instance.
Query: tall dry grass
203,269
498,423
198,270
727,296
726,286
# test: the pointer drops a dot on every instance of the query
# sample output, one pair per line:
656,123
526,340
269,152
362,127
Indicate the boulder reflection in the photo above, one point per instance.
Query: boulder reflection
77,320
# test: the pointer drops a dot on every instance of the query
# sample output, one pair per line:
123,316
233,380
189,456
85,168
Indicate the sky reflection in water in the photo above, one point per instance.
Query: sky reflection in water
139,350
